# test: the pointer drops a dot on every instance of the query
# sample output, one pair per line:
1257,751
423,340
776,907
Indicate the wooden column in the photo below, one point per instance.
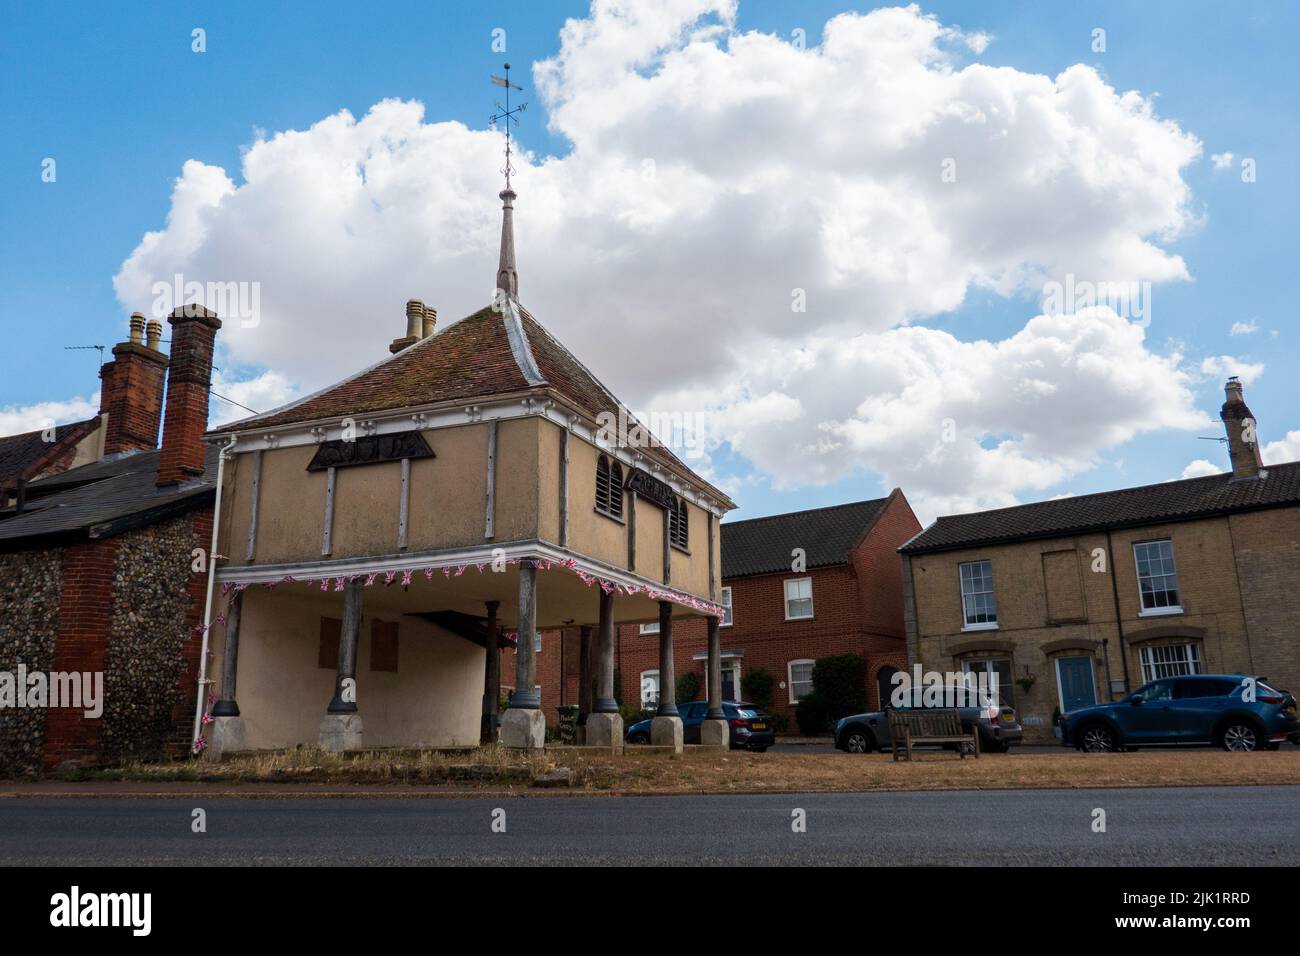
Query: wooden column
491,677
349,634
526,695
667,672
584,674
714,677
226,706
605,702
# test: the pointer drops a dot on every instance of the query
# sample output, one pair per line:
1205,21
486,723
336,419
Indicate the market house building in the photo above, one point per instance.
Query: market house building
1081,600
378,537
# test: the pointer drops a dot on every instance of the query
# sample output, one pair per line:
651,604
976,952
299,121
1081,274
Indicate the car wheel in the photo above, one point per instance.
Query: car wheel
856,742
1274,745
1239,737
995,747
1097,739
638,738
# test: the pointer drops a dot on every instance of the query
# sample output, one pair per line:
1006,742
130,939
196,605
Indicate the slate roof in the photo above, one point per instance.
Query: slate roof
102,499
470,359
1129,507
19,452
827,535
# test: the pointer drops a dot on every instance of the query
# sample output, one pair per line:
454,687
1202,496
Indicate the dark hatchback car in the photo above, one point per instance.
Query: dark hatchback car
998,726
1231,711
750,729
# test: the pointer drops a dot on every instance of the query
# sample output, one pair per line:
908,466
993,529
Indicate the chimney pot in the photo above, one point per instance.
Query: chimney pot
137,327
153,334
414,318
430,320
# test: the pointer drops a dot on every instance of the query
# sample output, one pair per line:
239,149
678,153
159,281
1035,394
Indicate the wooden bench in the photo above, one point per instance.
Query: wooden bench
909,727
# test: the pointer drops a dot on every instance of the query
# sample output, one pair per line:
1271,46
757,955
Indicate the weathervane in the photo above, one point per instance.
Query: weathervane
507,114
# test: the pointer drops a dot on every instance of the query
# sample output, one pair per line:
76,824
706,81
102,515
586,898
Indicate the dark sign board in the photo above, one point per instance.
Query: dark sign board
370,450
651,488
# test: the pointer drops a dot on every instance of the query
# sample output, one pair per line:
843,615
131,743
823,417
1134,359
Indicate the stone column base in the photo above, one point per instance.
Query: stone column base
716,733
523,729
340,732
225,735
605,730
667,732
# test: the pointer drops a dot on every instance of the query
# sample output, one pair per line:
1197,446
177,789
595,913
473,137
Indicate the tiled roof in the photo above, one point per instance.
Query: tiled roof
1128,507
102,499
469,359
827,535
19,452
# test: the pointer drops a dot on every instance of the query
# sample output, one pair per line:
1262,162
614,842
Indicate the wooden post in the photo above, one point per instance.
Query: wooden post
715,672
491,677
345,700
226,706
605,702
584,674
667,673
526,695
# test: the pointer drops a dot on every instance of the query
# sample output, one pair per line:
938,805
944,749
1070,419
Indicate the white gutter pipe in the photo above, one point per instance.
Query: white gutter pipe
202,680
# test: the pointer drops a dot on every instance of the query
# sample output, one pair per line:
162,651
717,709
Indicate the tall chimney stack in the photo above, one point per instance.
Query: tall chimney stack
131,392
194,331
1243,438
414,326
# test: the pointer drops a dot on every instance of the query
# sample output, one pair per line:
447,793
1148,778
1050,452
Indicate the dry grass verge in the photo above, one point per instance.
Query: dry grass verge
710,772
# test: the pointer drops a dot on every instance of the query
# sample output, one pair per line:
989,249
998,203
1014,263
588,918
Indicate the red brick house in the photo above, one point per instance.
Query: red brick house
103,566
845,598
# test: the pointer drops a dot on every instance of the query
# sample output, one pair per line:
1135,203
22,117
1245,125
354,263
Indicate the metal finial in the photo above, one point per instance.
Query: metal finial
507,114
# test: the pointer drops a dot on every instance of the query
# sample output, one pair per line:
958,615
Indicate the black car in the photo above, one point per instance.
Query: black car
750,729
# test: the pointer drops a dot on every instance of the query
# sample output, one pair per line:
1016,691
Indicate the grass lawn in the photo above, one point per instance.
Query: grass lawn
701,771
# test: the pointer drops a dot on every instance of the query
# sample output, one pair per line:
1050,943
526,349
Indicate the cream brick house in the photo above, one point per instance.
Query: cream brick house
1080,600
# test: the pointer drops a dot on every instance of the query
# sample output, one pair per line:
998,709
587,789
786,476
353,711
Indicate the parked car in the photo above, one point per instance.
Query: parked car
998,727
750,728
1195,709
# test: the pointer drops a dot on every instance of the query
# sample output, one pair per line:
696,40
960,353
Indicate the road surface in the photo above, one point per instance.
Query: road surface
1143,827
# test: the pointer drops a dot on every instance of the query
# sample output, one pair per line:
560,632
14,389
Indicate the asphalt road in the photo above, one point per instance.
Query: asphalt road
1191,826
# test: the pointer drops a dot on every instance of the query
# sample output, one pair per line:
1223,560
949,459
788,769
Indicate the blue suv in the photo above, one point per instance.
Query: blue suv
1231,711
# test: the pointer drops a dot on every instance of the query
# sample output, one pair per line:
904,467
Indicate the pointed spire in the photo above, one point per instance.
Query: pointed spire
507,274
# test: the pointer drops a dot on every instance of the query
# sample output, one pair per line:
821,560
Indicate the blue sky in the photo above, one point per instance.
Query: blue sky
116,96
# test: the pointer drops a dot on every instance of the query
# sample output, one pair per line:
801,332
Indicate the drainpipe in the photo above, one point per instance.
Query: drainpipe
1119,623
202,679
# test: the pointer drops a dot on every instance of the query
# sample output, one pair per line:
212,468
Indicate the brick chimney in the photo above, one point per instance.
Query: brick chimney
1243,439
194,330
131,392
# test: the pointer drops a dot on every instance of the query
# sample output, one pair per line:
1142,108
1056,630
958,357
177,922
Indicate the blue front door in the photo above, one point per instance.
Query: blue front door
1077,688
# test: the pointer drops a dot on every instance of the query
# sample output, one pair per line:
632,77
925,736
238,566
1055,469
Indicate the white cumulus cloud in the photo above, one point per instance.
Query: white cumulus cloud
716,175
18,419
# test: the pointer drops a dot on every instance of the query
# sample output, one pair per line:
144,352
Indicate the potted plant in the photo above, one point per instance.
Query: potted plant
1026,682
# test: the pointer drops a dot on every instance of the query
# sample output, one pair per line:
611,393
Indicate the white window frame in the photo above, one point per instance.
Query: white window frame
537,641
1151,669
789,677
658,687
811,609
965,615
728,618
652,628
1143,610
731,664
